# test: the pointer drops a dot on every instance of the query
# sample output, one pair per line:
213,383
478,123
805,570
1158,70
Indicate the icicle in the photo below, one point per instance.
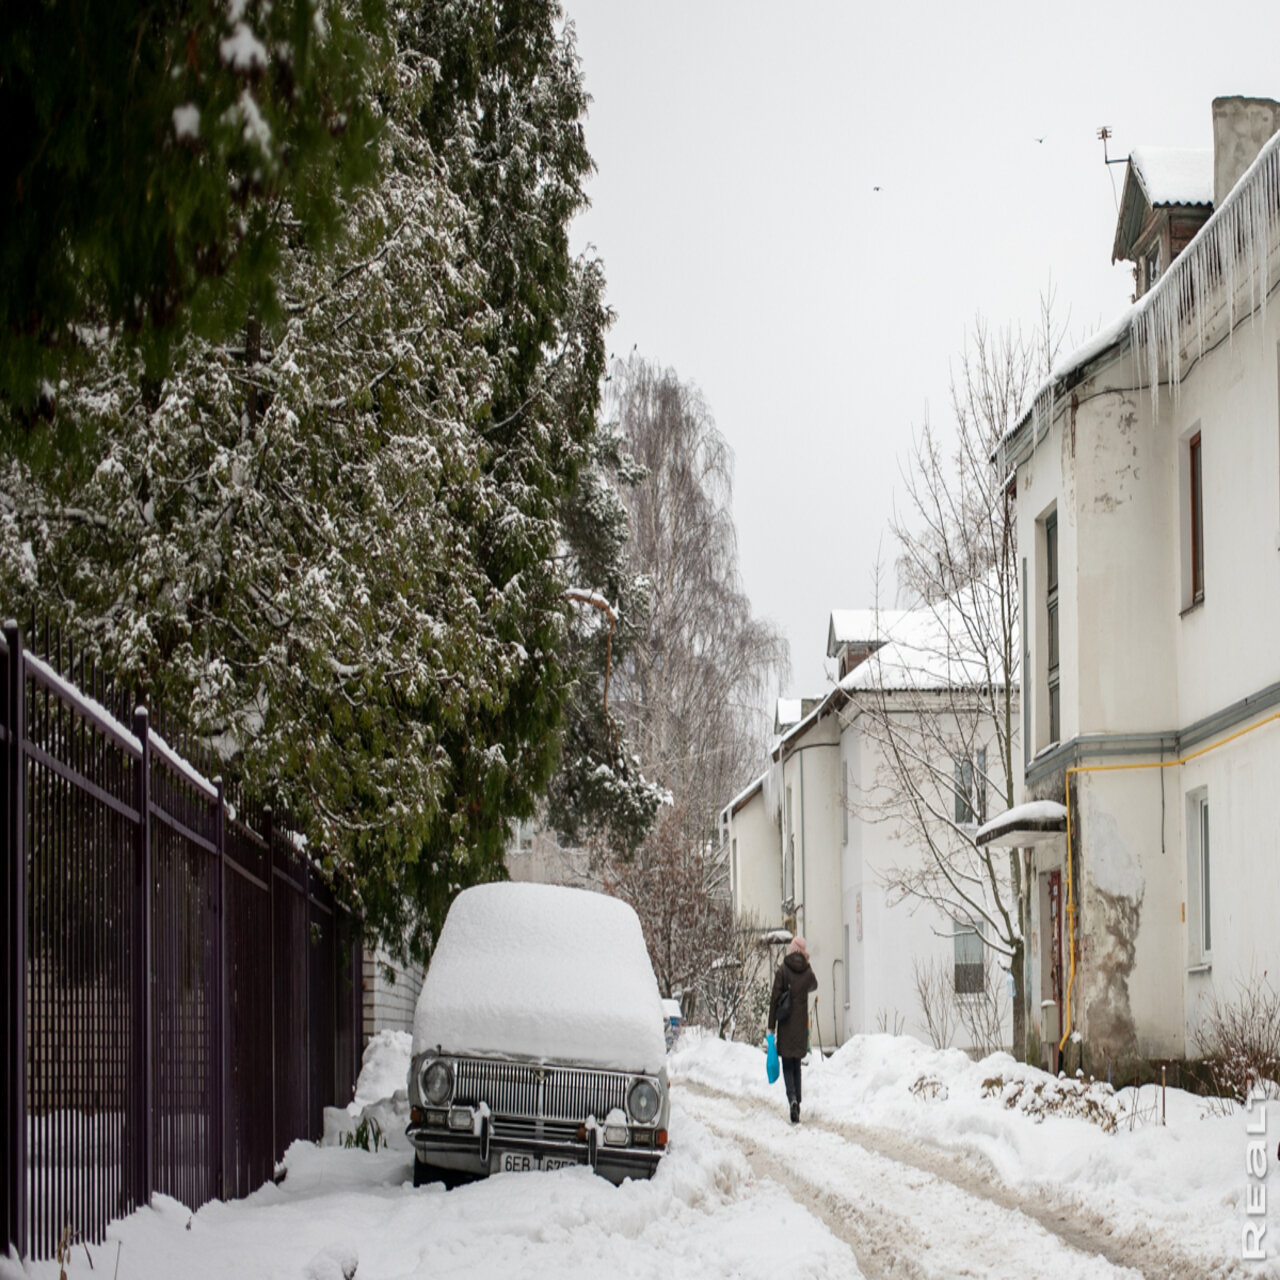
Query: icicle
1231,251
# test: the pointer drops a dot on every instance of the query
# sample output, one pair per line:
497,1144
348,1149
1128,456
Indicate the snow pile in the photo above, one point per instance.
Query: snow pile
545,972
384,1070
1092,1100
1031,1129
376,1117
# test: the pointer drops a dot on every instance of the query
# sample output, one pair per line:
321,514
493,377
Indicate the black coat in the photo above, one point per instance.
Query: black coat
793,1035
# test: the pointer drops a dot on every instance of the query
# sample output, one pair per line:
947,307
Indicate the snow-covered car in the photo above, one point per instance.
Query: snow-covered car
537,1040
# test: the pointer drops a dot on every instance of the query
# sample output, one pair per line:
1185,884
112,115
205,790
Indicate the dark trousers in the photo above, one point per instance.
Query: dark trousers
791,1078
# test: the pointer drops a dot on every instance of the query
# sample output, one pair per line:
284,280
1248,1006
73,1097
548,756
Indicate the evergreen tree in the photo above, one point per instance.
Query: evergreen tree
146,152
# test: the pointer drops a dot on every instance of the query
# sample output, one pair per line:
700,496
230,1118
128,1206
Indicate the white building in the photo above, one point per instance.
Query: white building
1148,507
818,845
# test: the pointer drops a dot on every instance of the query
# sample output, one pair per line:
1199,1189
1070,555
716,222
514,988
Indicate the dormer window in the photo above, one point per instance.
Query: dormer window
1150,267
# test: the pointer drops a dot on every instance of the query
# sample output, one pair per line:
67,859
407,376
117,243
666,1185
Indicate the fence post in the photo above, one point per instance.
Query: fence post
268,836
222,1071
144,1029
14,1208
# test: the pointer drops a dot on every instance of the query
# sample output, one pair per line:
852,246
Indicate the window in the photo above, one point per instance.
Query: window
971,787
524,836
1195,512
1199,880
1051,625
970,969
1151,268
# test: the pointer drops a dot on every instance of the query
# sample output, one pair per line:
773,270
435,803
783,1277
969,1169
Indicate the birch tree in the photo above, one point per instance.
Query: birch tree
941,699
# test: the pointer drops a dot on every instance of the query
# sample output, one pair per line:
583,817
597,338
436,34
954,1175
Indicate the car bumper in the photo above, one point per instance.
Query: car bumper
486,1152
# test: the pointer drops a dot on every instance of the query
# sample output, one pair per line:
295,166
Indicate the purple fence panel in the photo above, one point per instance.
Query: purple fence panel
322,1024
185,980
291,957
78,837
250,1146
348,1003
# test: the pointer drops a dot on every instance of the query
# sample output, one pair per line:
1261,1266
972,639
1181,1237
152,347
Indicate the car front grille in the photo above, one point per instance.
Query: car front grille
525,1091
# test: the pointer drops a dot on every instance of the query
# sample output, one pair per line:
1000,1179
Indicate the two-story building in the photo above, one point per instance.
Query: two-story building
1147,479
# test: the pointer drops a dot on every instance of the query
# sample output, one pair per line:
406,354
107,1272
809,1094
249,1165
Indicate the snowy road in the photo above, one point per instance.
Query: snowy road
907,1212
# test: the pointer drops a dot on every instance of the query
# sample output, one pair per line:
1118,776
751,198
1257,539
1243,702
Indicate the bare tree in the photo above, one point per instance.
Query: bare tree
942,702
671,885
692,687
734,989
933,983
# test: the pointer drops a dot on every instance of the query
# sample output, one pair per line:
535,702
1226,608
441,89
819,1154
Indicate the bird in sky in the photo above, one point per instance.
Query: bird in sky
1039,139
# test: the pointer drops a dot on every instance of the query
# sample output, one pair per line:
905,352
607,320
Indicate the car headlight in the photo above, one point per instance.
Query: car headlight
642,1102
436,1082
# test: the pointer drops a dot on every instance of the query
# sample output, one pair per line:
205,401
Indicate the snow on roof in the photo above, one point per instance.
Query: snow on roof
1024,824
545,972
1174,175
858,626
789,711
743,796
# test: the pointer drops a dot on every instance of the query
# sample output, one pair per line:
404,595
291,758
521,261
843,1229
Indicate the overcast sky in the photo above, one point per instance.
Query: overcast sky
738,148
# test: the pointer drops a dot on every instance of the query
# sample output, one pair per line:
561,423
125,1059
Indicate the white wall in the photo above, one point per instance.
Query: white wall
897,932
810,767
755,853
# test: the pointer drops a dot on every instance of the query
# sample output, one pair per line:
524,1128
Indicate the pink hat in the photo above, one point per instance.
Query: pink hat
799,944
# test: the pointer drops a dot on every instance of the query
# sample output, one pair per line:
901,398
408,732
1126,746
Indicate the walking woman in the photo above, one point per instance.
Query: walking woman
794,979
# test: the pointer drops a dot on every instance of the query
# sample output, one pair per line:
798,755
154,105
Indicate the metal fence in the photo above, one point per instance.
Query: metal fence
181,993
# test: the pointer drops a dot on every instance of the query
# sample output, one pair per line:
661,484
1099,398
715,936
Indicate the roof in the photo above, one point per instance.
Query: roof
928,648
863,627
743,796
1036,822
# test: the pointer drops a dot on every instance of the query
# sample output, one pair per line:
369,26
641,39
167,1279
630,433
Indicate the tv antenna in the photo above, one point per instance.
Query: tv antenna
1104,133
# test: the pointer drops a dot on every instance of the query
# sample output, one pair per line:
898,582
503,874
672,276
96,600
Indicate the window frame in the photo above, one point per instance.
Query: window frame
970,776
1053,630
1199,880
1195,515
974,970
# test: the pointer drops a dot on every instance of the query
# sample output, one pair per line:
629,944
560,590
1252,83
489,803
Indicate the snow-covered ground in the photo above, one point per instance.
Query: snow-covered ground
908,1162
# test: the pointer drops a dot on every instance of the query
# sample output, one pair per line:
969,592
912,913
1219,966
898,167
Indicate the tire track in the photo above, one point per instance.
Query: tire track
885,1205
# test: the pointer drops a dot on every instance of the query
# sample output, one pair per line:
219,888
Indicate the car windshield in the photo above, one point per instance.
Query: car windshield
543,972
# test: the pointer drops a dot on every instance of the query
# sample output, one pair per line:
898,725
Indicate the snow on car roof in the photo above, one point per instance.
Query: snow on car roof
544,972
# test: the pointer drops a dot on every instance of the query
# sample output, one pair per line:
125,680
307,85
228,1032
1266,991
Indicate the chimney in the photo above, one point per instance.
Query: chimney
1241,127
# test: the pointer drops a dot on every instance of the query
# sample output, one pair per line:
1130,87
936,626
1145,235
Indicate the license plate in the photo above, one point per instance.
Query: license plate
526,1162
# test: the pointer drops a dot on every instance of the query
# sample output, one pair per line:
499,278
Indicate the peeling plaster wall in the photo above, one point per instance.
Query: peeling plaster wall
1133,939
